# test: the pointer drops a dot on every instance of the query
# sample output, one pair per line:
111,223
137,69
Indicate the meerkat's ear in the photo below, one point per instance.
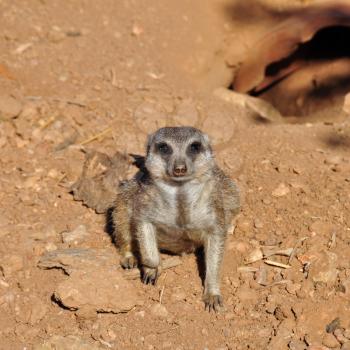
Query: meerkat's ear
207,141
149,142
206,138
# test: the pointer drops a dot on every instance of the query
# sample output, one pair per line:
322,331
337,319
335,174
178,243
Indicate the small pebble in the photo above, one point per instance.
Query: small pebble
279,314
333,160
330,341
258,223
49,247
338,333
296,345
159,311
346,333
140,314
317,347
346,346
9,107
292,288
55,35
78,235
136,30
204,331
297,170
244,225
10,264
281,190
270,307
297,310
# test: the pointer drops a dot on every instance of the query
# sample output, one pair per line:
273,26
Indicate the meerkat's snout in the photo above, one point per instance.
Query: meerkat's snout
180,168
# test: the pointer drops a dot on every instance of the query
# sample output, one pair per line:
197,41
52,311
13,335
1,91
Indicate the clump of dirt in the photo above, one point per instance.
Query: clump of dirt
97,186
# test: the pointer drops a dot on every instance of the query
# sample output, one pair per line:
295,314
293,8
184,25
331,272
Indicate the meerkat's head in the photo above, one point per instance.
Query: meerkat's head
179,154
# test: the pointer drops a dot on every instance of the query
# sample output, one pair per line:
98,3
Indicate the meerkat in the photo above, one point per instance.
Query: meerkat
179,201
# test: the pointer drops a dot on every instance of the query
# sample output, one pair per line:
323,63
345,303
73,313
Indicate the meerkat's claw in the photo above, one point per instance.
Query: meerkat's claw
128,262
150,275
213,302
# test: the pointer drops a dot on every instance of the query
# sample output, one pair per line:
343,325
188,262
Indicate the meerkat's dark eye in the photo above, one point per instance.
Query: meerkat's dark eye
163,148
195,147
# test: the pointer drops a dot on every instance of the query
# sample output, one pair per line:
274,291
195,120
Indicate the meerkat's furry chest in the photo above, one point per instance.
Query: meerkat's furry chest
183,208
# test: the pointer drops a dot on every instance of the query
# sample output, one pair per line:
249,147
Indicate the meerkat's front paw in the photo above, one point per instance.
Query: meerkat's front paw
150,275
128,262
213,302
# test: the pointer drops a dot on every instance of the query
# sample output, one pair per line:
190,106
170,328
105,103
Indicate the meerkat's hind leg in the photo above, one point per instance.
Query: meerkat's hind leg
128,260
122,235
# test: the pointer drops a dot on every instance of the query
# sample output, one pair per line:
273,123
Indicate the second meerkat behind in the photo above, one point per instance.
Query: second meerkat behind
181,200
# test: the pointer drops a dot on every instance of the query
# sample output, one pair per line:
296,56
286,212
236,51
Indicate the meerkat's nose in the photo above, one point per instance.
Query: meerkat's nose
180,170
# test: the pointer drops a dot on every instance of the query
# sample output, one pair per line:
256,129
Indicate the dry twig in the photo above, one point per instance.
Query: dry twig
277,264
331,243
95,137
48,122
162,290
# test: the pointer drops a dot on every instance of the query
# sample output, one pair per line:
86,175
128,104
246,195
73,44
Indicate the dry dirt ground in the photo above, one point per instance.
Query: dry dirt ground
100,75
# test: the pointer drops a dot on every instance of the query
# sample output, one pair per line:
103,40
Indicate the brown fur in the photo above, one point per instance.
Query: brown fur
155,211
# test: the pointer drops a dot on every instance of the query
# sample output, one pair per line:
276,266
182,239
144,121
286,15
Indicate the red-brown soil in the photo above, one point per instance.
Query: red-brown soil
101,75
